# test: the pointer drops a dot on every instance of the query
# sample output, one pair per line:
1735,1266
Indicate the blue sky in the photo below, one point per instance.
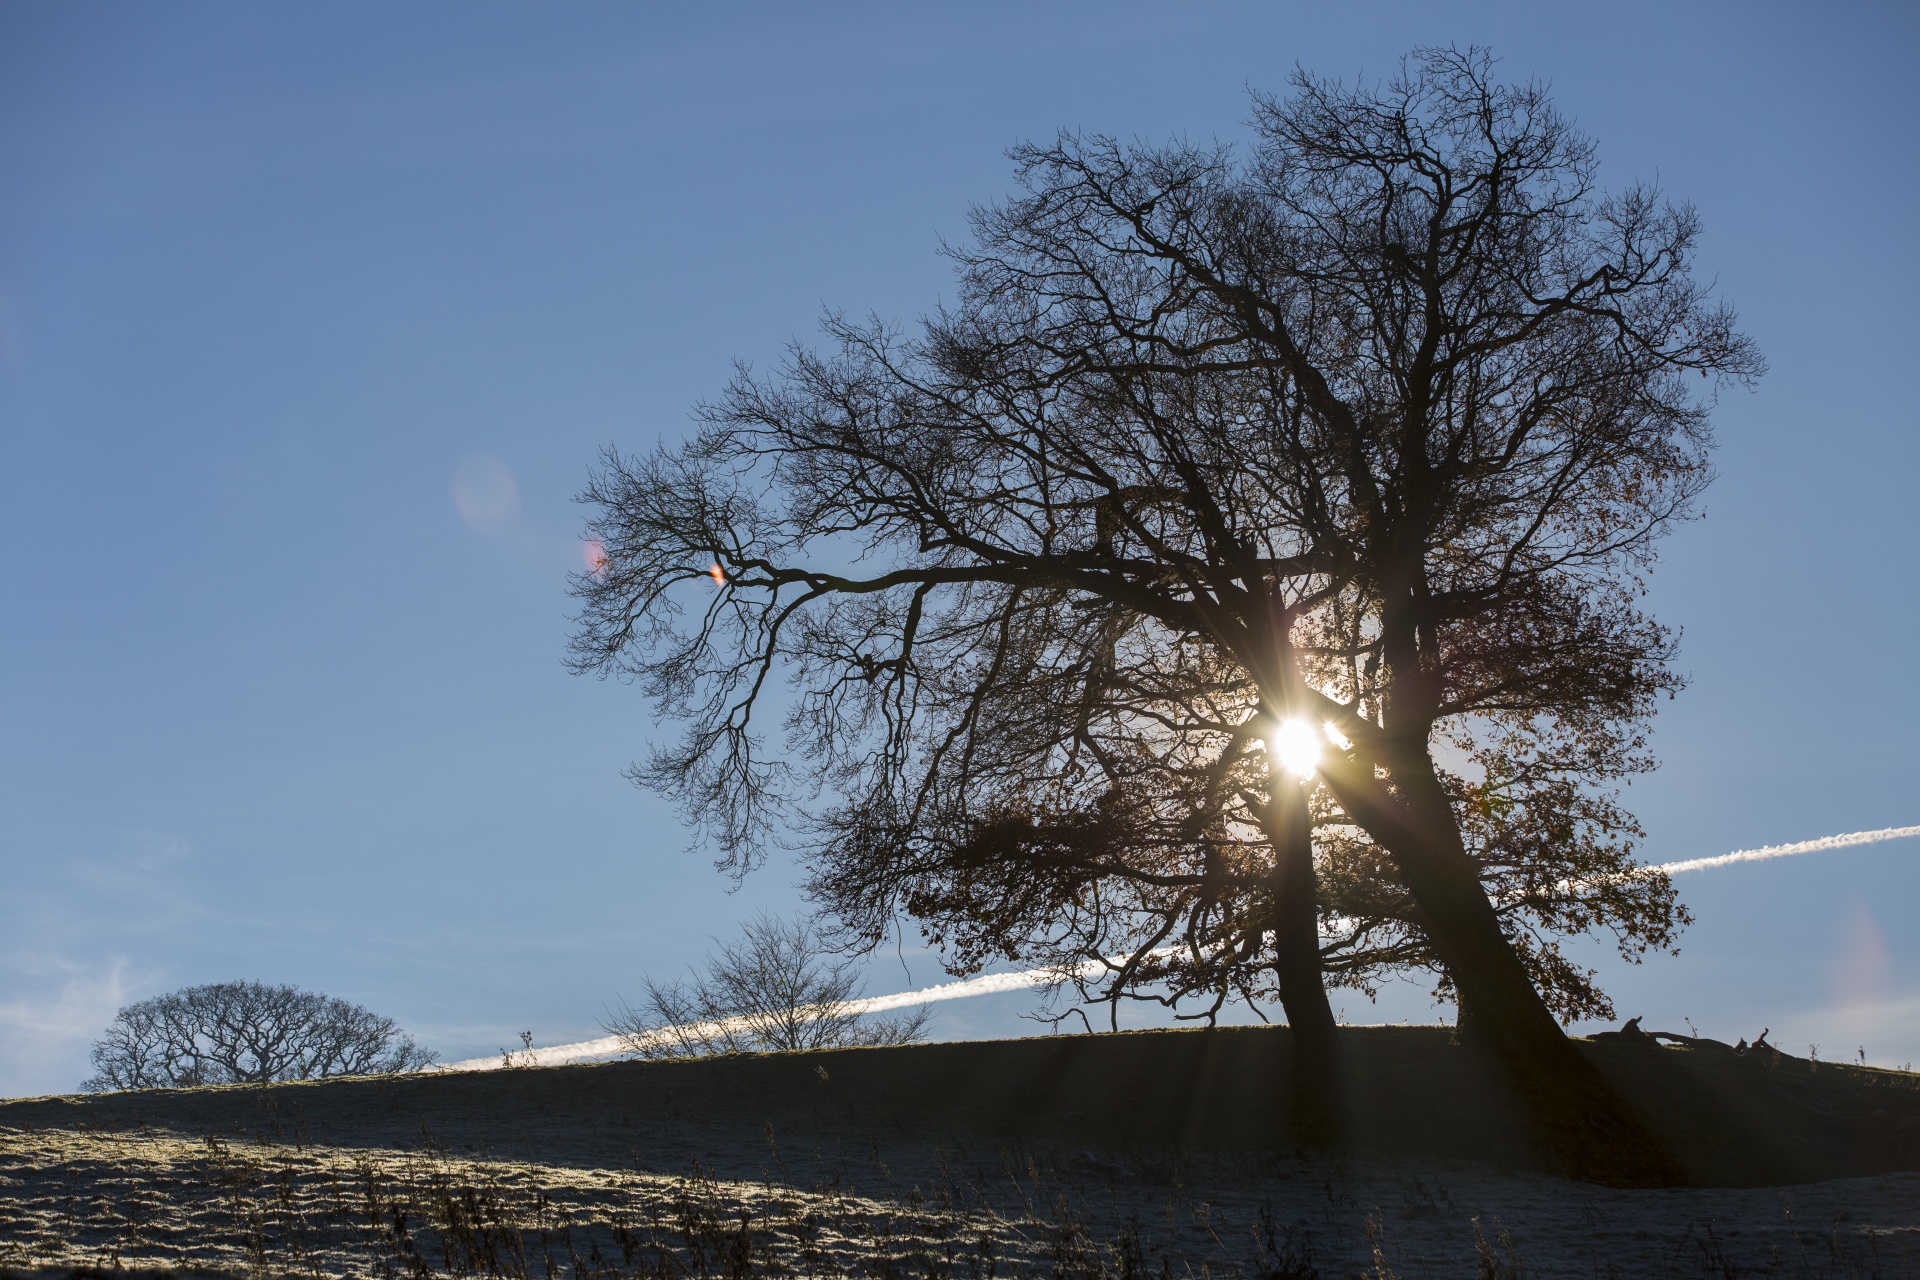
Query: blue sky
279,284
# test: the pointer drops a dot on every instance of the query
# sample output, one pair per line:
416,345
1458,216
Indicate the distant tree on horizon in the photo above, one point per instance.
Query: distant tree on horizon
778,987
1366,437
246,1033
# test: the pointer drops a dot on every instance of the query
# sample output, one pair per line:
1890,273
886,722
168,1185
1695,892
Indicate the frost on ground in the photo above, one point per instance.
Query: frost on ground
1122,1155
261,1206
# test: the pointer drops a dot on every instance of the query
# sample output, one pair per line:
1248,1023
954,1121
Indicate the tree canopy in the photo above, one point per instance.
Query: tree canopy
778,987
1374,425
247,1033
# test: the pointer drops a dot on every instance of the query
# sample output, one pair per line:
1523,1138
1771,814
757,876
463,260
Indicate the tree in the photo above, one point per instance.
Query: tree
1375,429
1554,851
776,988
246,1033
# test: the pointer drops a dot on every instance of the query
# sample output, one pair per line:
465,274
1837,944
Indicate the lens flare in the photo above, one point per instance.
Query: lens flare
1862,968
1297,746
718,575
484,492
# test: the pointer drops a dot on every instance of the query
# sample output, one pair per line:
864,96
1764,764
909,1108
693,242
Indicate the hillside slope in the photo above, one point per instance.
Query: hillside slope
1751,1120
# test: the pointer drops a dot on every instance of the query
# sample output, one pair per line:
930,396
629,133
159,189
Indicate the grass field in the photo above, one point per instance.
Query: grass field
1117,1155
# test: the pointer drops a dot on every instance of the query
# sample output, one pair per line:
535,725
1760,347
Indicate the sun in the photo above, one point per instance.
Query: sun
1297,746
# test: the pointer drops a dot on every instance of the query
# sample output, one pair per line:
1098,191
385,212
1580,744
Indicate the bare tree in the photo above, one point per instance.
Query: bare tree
778,987
1375,429
246,1033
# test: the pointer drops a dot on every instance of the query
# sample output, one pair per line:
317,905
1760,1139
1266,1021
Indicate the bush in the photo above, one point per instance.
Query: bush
776,988
246,1033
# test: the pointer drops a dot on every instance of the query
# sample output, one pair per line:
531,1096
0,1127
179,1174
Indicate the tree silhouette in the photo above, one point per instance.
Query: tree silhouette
777,987
1374,428
246,1033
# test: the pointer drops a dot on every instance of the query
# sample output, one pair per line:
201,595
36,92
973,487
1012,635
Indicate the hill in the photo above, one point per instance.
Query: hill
998,1136
1758,1119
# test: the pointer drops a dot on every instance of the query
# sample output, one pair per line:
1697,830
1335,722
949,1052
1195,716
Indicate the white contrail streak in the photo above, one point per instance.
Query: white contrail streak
998,983
612,1046
1787,850
987,984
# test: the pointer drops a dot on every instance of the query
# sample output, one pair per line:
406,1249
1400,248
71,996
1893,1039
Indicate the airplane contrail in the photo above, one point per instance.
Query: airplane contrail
1786,850
611,1046
1025,979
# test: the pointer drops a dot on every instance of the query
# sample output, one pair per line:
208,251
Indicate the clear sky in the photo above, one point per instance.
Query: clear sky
312,318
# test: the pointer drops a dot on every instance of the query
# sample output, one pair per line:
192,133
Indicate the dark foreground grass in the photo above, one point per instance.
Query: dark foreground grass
132,1204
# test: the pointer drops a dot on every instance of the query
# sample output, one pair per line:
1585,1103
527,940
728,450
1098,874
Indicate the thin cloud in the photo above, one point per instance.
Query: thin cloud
44,1035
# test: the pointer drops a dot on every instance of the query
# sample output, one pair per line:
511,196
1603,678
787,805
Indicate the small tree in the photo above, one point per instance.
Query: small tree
246,1033
776,988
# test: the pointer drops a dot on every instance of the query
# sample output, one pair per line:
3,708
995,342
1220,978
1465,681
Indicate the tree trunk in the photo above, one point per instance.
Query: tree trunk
1320,1094
1589,1128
